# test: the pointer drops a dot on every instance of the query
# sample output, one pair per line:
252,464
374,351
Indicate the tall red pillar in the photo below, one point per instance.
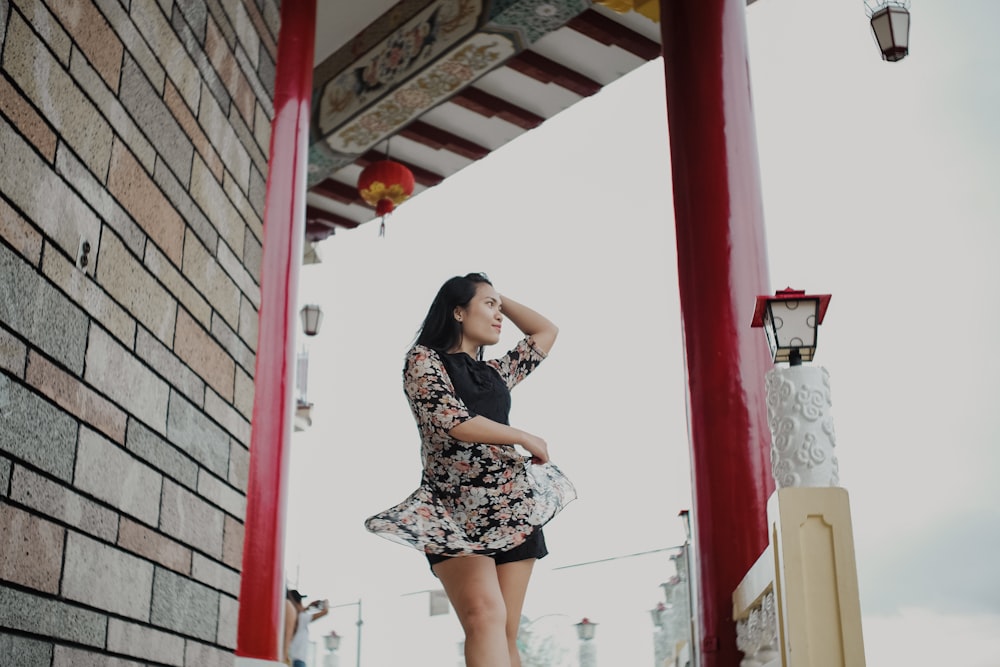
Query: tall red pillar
262,586
722,266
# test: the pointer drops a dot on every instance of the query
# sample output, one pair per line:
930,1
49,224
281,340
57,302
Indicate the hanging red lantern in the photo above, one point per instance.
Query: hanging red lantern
385,184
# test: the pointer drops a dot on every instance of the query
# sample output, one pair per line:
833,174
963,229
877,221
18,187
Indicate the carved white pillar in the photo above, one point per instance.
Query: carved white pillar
802,435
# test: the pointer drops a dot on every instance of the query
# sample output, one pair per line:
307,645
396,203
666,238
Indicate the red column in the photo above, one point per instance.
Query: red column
262,587
722,266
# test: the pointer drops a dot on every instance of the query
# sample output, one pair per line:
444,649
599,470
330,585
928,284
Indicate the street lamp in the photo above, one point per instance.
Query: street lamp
585,629
332,641
360,622
798,396
790,319
312,318
658,613
891,27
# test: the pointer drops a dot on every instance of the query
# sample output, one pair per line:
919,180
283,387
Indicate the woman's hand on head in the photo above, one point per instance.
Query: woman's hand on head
537,447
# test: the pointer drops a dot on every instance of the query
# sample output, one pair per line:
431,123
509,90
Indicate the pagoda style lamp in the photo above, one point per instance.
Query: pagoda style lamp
798,397
585,630
658,614
891,26
332,641
790,319
312,318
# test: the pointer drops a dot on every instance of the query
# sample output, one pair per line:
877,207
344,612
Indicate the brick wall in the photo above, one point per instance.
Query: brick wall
139,128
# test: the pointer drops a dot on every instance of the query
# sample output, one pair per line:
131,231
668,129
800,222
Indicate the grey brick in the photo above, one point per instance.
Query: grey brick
77,175
257,196
111,473
220,133
113,370
52,618
59,99
225,27
169,366
266,70
250,71
153,116
102,576
185,206
184,606
4,10
25,652
193,432
221,494
160,454
191,520
248,326
30,306
44,198
203,655
145,643
63,504
249,143
35,431
64,656
234,267
195,13
13,353
242,354
109,106
133,41
5,467
272,16
226,415
229,611
215,574
193,44
252,252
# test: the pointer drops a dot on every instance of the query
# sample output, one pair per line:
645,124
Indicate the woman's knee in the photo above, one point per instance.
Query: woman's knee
483,613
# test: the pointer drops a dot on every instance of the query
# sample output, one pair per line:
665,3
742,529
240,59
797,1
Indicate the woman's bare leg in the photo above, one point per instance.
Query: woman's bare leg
473,587
513,586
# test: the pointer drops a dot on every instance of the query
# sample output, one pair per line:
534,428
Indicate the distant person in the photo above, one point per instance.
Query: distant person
297,620
480,508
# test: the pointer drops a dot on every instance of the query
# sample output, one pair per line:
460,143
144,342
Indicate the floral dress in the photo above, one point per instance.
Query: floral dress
473,498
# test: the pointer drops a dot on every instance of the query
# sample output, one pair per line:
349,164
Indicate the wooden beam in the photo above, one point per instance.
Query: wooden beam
438,139
338,191
491,106
314,214
609,32
543,69
422,176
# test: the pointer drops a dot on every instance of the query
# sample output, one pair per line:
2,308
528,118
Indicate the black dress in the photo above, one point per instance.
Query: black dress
474,498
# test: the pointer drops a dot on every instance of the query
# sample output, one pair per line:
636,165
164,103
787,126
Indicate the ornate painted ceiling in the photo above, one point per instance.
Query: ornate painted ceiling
439,84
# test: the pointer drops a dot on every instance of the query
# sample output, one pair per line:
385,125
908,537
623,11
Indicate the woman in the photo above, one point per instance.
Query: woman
297,620
480,507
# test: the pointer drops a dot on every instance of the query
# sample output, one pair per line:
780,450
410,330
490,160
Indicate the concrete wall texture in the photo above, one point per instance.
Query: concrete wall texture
139,128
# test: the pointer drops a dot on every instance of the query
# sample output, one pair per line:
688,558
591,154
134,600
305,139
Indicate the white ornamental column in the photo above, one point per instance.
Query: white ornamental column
802,434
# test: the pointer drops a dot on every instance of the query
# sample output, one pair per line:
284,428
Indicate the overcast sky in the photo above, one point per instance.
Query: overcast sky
880,188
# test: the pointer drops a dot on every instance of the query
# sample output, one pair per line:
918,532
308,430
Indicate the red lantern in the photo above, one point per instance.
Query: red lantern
385,184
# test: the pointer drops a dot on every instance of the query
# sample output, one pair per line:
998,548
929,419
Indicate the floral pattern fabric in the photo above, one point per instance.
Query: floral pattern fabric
474,498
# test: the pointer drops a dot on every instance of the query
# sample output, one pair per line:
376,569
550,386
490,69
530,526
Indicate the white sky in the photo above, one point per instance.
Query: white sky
879,187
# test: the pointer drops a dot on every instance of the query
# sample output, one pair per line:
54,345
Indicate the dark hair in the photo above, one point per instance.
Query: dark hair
440,330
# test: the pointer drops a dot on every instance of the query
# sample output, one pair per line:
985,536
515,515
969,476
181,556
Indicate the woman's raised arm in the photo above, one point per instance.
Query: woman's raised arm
542,331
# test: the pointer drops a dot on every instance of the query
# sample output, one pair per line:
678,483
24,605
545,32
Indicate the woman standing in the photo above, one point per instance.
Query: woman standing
479,510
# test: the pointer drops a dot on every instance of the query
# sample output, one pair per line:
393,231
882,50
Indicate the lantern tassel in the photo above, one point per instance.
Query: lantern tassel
381,228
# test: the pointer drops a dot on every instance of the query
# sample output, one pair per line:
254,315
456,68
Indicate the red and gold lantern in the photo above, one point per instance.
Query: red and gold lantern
385,184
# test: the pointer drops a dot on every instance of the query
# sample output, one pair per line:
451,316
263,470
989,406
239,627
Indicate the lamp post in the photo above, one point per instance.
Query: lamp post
798,397
891,27
585,633
332,641
312,318
360,622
